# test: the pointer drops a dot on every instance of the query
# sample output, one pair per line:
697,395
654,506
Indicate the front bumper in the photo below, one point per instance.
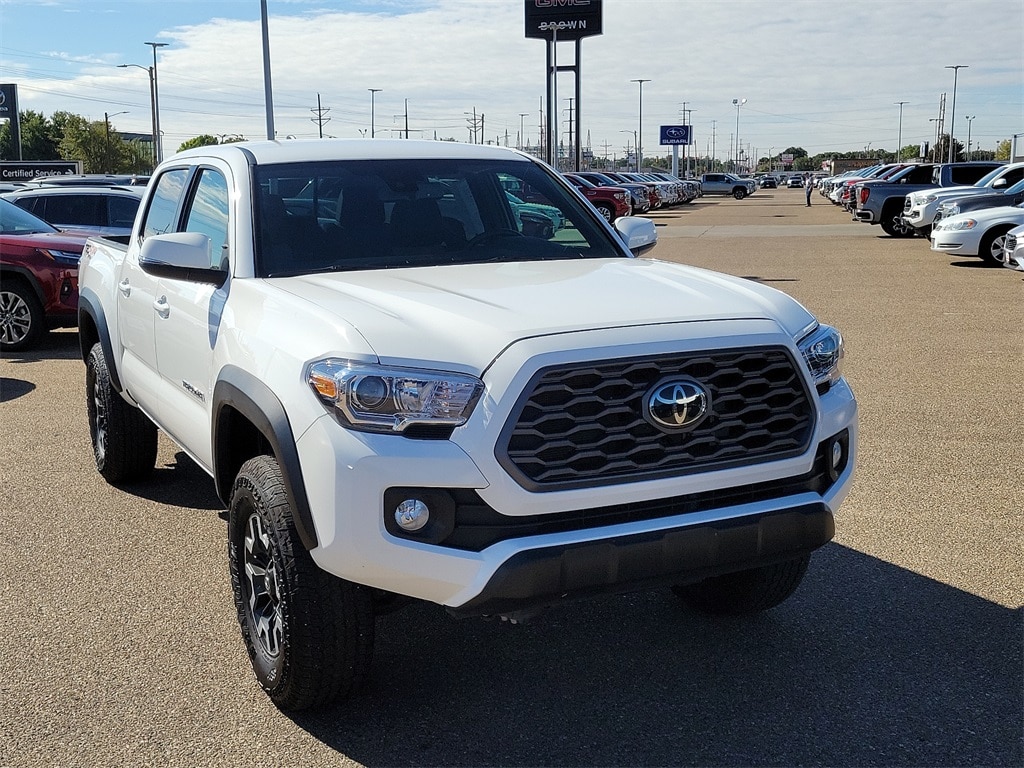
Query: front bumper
509,549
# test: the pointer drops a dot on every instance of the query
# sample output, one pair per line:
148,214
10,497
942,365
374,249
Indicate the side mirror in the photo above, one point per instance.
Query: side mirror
998,183
181,256
639,234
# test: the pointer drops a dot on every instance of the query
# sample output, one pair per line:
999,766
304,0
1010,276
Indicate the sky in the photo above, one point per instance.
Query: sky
818,74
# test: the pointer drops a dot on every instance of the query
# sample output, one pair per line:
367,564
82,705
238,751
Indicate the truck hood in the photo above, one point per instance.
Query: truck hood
466,315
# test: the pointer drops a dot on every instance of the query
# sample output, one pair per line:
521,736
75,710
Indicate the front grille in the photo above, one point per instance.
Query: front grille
1010,244
907,205
583,425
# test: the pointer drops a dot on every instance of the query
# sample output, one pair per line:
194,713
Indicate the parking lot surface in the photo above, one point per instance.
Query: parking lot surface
903,646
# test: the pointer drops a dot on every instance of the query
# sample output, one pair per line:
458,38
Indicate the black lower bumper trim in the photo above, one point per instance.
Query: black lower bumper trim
541,577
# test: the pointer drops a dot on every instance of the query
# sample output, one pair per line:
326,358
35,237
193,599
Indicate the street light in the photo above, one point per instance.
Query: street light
106,139
372,91
522,129
152,106
640,124
737,103
969,118
952,115
899,140
156,106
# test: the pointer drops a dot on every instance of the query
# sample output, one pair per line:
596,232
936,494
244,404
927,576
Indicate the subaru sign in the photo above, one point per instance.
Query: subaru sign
676,134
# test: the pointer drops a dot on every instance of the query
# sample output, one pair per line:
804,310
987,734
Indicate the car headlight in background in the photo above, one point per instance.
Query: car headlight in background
823,350
374,398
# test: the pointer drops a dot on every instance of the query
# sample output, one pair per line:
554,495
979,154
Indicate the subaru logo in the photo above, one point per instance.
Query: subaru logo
676,133
676,406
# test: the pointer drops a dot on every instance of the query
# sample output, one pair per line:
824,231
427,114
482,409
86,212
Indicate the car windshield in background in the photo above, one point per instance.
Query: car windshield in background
15,221
384,214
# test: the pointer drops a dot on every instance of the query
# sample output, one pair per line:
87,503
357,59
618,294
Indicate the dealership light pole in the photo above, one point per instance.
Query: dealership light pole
952,113
268,96
640,124
373,91
522,129
899,139
152,106
969,118
156,107
737,103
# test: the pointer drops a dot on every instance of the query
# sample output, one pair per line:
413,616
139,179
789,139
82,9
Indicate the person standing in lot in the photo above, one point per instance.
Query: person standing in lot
808,186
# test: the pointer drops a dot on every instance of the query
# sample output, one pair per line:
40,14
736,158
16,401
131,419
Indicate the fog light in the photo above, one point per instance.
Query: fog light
411,515
837,455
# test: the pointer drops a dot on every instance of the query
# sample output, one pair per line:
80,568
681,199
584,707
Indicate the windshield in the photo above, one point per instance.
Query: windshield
989,177
17,221
384,214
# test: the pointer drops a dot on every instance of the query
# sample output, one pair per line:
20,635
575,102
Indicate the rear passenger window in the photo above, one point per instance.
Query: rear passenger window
76,209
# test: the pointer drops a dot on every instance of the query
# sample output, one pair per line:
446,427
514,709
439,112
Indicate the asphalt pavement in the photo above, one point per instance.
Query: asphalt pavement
904,646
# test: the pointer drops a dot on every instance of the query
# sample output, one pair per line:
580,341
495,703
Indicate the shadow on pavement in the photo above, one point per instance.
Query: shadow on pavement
55,345
868,664
12,389
180,484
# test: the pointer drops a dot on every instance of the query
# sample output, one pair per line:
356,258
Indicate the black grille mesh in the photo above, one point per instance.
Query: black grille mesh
583,425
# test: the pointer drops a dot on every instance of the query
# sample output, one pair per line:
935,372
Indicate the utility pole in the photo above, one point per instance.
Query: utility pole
320,118
572,143
522,129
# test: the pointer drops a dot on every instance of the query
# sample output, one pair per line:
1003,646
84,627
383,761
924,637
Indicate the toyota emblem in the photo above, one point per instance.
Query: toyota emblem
677,405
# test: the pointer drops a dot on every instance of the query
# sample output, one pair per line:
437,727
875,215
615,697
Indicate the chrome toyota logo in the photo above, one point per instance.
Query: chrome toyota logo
677,405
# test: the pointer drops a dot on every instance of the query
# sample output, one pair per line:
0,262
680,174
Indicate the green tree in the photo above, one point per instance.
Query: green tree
1003,150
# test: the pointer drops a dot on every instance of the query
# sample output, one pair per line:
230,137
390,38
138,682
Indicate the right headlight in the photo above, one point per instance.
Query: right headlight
823,351
375,398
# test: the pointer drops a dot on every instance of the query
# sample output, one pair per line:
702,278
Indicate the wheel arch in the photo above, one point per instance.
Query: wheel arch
249,420
8,271
93,329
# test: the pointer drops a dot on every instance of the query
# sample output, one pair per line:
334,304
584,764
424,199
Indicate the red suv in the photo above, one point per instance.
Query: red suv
612,202
38,277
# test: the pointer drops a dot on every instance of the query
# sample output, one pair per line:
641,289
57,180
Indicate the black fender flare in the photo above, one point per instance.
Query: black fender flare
255,401
90,306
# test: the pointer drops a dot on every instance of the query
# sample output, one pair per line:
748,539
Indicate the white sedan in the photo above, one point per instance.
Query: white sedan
978,233
1013,249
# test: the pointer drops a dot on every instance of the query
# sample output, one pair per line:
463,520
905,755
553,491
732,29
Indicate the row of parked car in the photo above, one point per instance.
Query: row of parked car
967,209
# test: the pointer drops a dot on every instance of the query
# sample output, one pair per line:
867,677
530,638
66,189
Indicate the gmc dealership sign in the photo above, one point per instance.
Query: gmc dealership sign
563,19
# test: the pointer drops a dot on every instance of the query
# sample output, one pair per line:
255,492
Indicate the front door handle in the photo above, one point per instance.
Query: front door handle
162,307
125,288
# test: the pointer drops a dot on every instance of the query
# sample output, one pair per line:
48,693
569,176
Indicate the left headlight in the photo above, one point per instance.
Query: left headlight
958,225
823,351
374,398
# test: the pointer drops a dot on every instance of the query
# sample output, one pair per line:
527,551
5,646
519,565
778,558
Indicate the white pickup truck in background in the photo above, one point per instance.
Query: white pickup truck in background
399,394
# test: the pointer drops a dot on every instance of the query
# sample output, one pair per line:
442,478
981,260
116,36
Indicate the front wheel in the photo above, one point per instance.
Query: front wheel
124,441
309,634
991,247
606,211
21,316
739,194
893,225
750,591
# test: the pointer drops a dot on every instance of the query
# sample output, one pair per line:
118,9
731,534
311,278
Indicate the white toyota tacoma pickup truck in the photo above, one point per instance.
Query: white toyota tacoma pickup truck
399,394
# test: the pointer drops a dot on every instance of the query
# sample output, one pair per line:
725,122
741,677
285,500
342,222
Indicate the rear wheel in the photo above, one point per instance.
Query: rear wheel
991,247
309,634
21,316
124,441
750,591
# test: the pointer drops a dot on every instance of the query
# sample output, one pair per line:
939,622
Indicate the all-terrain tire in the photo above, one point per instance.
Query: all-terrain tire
750,591
309,634
892,224
739,194
124,440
